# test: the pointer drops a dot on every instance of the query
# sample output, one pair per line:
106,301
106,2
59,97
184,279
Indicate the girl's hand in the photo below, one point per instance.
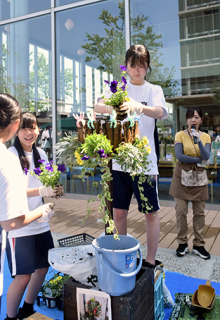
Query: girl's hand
132,106
109,109
47,192
47,212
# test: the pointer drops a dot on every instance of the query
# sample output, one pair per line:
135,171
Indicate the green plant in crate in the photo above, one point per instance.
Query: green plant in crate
54,287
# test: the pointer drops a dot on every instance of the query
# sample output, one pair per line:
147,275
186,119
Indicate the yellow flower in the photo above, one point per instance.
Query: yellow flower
144,141
148,149
78,157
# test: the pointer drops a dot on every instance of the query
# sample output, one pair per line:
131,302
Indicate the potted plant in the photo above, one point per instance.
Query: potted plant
118,92
52,290
49,175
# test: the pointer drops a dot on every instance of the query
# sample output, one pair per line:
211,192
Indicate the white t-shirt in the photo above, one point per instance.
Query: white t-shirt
45,134
152,96
34,227
13,196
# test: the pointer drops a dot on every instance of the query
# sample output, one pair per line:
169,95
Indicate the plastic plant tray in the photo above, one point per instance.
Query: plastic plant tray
77,240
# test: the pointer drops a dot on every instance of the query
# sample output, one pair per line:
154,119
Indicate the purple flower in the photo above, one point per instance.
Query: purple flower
107,82
37,171
50,163
123,68
85,157
26,171
113,86
124,80
49,168
61,167
101,153
41,160
123,87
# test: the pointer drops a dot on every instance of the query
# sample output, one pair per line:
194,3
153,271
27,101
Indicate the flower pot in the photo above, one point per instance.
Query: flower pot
50,303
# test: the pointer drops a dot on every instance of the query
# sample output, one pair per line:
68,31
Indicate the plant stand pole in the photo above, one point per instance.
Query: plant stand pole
110,203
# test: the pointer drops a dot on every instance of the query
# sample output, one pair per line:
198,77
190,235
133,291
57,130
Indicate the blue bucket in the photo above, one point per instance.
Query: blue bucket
117,263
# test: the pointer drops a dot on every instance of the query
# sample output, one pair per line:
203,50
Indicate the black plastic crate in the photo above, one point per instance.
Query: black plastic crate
42,301
77,240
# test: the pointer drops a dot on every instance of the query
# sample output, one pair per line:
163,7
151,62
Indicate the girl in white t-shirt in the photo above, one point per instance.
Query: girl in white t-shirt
14,213
148,101
28,254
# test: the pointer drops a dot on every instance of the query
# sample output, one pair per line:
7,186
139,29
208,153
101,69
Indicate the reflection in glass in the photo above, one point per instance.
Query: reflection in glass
160,34
15,8
25,66
63,2
87,54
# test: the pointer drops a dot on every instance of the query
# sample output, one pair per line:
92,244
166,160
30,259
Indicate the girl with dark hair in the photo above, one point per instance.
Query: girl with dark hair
29,247
192,148
14,213
148,101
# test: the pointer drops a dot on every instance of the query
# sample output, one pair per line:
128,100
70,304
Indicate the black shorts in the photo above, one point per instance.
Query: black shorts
124,187
26,254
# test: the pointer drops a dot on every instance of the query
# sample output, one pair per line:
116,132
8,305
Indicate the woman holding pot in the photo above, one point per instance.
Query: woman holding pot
190,183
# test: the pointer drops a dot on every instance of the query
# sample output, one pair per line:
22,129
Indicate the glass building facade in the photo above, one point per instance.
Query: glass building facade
56,54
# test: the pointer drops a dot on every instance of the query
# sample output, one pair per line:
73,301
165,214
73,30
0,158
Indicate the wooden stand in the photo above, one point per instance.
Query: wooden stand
139,304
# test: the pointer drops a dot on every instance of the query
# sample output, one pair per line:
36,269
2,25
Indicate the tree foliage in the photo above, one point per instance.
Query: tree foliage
109,50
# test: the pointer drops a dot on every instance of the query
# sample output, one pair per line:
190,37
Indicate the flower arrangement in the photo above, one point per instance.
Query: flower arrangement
94,308
48,174
54,287
97,150
118,90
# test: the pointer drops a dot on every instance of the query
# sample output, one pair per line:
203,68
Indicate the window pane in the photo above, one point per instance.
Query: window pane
198,26
217,22
85,51
208,24
87,54
158,30
25,66
63,2
15,8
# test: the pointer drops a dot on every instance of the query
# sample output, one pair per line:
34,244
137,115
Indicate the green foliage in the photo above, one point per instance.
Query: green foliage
110,49
65,149
97,150
48,174
95,142
120,96
134,159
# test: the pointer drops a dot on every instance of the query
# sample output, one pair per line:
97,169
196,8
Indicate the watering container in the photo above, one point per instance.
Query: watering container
117,263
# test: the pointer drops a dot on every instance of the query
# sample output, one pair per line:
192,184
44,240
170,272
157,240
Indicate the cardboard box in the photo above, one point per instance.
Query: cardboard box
38,316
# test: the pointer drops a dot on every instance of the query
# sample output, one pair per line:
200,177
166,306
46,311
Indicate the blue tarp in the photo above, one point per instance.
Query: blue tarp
176,283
